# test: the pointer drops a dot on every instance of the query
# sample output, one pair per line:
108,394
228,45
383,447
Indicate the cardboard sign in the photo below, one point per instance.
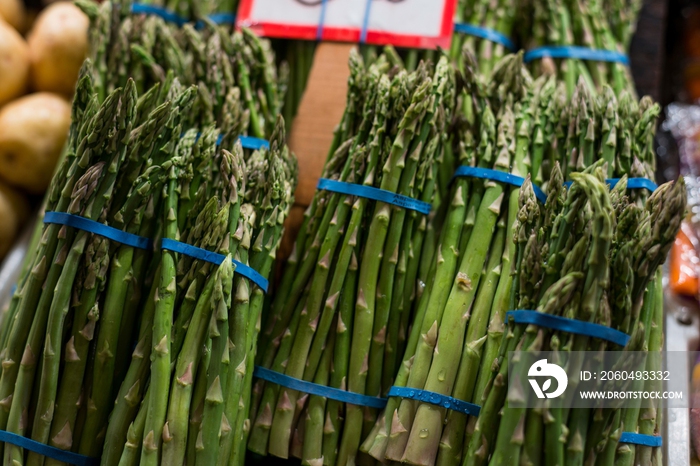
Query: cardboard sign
402,23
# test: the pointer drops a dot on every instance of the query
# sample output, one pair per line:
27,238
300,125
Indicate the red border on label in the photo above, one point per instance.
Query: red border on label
287,31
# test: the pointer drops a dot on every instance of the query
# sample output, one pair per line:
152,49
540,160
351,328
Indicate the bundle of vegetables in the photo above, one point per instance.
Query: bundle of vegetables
297,59
340,314
497,16
590,257
596,259
89,300
490,27
592,24
473,249
231,65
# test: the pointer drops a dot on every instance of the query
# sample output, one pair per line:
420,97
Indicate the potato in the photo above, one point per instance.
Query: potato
14,63
14,13
58,45
33,130
14,211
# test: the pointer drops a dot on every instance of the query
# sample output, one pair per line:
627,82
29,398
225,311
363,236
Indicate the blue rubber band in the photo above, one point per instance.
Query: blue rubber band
248,142
319,390
641,439
365,22
569,325
485,33
636,183
223,18
85,224
167,15
436,399
501,177
47,450
321,20
214,258
172,17
375,194
218,19
581,53
632,183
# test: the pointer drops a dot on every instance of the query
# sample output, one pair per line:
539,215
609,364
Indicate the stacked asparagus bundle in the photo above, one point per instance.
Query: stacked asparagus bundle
638,234
298,57
206,325
86,301
592,263
340,314
498,16
591,24
620,134
466,286
236,68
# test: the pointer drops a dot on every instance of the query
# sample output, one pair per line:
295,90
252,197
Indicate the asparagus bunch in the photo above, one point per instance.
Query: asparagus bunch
85,185
550,267
572,279
85,302
339,316
465,274
236,68
201,330
496,15
592,24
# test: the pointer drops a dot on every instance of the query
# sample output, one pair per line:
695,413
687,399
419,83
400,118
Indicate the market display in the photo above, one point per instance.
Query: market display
475,202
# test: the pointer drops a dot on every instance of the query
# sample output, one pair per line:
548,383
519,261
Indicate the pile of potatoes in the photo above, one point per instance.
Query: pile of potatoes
40,58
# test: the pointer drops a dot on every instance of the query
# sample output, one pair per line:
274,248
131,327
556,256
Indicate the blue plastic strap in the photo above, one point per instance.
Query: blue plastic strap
636,183
569,325
632,183
485,33
222,18
321,20
47,451
375,194
214,258
365,22
172,17
581,53
167,15
249,142
319,390
501,177
85,224
436,399
641,439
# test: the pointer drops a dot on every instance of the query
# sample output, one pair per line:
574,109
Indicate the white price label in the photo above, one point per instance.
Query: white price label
403,23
